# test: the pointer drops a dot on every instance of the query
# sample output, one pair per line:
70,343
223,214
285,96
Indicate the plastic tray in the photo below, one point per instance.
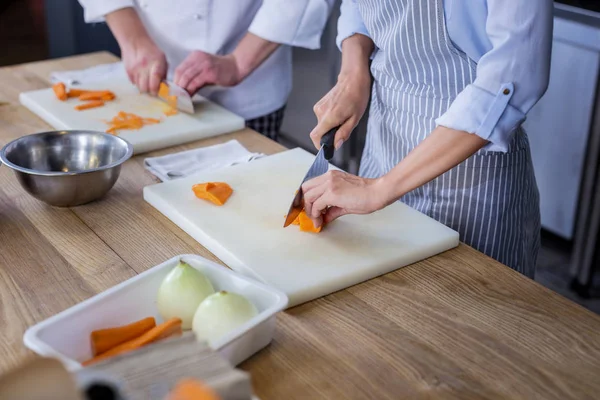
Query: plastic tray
66,335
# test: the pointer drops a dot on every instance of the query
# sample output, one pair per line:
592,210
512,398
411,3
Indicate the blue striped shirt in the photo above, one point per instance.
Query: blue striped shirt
510,40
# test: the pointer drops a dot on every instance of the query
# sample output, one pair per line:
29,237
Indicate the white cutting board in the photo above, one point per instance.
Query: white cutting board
209,119
247,232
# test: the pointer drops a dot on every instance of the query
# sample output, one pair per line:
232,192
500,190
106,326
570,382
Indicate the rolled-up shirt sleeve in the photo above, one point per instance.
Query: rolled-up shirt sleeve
297,23
511,77
350,22
95,10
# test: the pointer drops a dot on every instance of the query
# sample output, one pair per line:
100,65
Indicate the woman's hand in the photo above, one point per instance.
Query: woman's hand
145,64
346,103
200,69
342,106
337,193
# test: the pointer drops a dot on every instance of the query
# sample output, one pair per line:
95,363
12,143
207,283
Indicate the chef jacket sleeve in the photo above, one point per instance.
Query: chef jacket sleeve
297,23
95,10
511,77
350,22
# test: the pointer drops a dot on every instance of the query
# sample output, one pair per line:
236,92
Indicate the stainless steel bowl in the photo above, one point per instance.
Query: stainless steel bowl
67,168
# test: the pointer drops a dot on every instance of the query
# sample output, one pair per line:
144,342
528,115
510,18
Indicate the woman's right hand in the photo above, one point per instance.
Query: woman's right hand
346,103
146,65
342,106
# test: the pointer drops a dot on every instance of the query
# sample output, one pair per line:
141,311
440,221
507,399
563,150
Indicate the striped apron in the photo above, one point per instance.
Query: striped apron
491,199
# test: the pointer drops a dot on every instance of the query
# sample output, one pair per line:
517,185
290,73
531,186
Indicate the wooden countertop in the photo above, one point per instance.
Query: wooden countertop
458,325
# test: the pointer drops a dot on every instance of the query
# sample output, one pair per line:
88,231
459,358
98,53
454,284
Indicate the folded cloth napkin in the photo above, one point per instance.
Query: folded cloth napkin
97,73
185,163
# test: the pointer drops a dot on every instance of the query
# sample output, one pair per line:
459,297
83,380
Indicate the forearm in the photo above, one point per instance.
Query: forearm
356,51
127,28
442,150
251,52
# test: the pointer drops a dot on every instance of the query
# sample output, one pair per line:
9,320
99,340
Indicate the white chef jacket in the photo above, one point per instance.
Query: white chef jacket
216,26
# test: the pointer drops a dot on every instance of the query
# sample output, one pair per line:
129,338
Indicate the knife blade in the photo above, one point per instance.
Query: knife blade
318,167
184,100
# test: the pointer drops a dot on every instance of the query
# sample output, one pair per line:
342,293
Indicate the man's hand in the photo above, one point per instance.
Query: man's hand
145,63
200,69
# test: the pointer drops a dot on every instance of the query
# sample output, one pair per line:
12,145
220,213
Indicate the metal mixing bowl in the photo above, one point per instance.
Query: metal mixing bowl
67,168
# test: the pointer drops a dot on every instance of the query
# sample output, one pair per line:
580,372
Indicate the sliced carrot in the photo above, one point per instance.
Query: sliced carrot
306,224
191,389
77,92
105,339
60,91
163,90
89,104
167,329
297,220
216,192
98,95
125,120
171,111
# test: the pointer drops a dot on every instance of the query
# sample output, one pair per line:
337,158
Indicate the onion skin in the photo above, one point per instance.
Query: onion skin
220,313
180,293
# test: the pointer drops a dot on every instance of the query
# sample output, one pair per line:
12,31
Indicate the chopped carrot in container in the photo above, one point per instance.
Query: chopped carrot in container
167,329
191,389
103,340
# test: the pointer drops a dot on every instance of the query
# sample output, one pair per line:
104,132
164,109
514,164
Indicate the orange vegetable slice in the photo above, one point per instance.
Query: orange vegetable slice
163,90
163,93
103,340
60,91
191,389
216,192
77,92
89,104
125,120
167,329
306,224
97,95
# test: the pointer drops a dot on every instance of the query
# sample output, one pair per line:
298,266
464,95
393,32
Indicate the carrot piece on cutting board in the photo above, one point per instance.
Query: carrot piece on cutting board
125,120
97,95
77,92
306,224
89,104
105,339
191,389
163,93
216,192
60,91
167,329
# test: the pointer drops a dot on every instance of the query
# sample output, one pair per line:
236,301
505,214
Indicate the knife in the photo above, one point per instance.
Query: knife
318,167
184,100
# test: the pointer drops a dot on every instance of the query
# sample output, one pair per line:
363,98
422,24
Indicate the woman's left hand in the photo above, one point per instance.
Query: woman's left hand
337,193
200,69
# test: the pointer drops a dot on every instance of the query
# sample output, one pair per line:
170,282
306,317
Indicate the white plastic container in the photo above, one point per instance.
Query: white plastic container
66,335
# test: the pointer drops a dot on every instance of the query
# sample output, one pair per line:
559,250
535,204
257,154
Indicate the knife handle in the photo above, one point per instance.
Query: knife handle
328,144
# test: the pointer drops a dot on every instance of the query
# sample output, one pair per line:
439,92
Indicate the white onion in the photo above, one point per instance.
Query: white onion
180,293
220,313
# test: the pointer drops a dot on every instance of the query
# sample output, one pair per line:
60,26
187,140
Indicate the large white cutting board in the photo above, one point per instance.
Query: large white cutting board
247,232
209,119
